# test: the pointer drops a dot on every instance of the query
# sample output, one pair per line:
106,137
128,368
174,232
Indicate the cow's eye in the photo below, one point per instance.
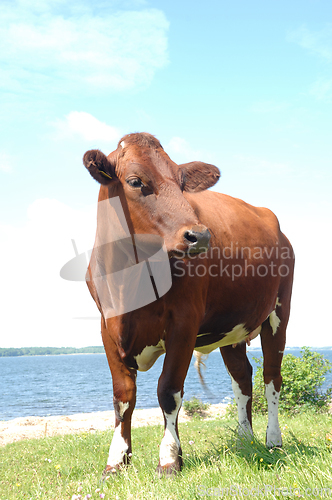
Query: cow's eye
135,182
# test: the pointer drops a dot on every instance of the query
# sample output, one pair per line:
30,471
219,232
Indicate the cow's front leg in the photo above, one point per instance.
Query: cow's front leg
240,371
170,393
124,399
120,449
170,453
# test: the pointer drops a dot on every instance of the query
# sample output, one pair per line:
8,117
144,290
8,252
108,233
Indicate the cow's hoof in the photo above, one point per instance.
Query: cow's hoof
109,471
270,444
169,470
273,439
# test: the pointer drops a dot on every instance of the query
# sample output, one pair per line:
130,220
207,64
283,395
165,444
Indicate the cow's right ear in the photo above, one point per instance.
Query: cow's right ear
100,167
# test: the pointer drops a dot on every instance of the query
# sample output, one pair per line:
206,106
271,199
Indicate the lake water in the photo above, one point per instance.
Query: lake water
81,383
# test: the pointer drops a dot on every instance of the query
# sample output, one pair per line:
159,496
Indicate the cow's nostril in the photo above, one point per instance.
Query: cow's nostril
197,239
190,236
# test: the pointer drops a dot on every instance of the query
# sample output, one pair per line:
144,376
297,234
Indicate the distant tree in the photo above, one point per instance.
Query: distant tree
42,351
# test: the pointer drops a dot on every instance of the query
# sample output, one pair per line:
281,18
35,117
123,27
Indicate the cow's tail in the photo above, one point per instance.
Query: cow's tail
200,358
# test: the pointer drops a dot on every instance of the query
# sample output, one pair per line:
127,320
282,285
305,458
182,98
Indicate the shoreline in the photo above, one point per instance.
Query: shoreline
250,349
54,354
39,427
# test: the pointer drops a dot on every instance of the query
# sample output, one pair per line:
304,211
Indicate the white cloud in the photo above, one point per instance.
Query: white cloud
313,274
318,43
5,163
87,126
38,307
67,49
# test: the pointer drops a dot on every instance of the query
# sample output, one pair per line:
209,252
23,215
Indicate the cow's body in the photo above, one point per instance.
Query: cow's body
239,288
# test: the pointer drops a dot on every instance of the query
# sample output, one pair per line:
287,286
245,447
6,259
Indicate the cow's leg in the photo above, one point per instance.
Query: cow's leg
124,399
273,339
240,371
170,393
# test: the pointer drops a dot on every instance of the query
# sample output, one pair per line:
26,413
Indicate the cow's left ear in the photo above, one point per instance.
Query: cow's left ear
197,176
101,167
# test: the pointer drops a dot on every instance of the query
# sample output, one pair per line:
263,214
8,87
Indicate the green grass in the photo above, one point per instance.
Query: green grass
57,468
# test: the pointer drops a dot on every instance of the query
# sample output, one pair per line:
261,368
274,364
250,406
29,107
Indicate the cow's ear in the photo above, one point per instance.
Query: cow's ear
101,167
197,176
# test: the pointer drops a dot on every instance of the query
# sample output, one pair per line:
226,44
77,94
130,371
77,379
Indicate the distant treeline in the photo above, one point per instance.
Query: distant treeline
44,351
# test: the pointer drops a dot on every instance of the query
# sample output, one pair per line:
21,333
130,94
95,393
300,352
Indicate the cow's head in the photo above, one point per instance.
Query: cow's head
152,190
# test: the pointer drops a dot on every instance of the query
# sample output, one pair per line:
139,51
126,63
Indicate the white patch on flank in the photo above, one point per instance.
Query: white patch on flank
149,356
241,402
278,303
235,336
273,433
274,322
170,444
118,448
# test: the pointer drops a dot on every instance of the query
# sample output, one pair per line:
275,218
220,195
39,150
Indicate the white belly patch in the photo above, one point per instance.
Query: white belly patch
149,356
235,336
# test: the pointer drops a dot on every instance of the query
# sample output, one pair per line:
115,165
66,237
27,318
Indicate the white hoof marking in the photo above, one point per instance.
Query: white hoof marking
273,432
241,402
170,444
119,447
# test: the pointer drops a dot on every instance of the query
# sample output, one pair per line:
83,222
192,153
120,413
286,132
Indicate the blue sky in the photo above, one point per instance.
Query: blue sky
244,85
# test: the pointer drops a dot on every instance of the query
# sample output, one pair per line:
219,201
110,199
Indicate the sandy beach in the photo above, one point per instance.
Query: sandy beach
38,427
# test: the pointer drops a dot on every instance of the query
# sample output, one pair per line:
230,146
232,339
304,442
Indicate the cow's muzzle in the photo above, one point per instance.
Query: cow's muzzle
197,239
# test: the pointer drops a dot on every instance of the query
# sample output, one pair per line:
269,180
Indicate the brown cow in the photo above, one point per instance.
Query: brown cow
231,270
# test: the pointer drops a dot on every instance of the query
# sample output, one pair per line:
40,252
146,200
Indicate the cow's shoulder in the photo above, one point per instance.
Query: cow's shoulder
213,208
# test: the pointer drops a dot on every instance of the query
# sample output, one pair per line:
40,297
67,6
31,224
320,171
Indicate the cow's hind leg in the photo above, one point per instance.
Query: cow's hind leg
240,371
273,339
124,399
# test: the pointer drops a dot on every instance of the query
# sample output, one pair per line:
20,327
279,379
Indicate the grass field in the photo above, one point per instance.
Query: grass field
216,464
